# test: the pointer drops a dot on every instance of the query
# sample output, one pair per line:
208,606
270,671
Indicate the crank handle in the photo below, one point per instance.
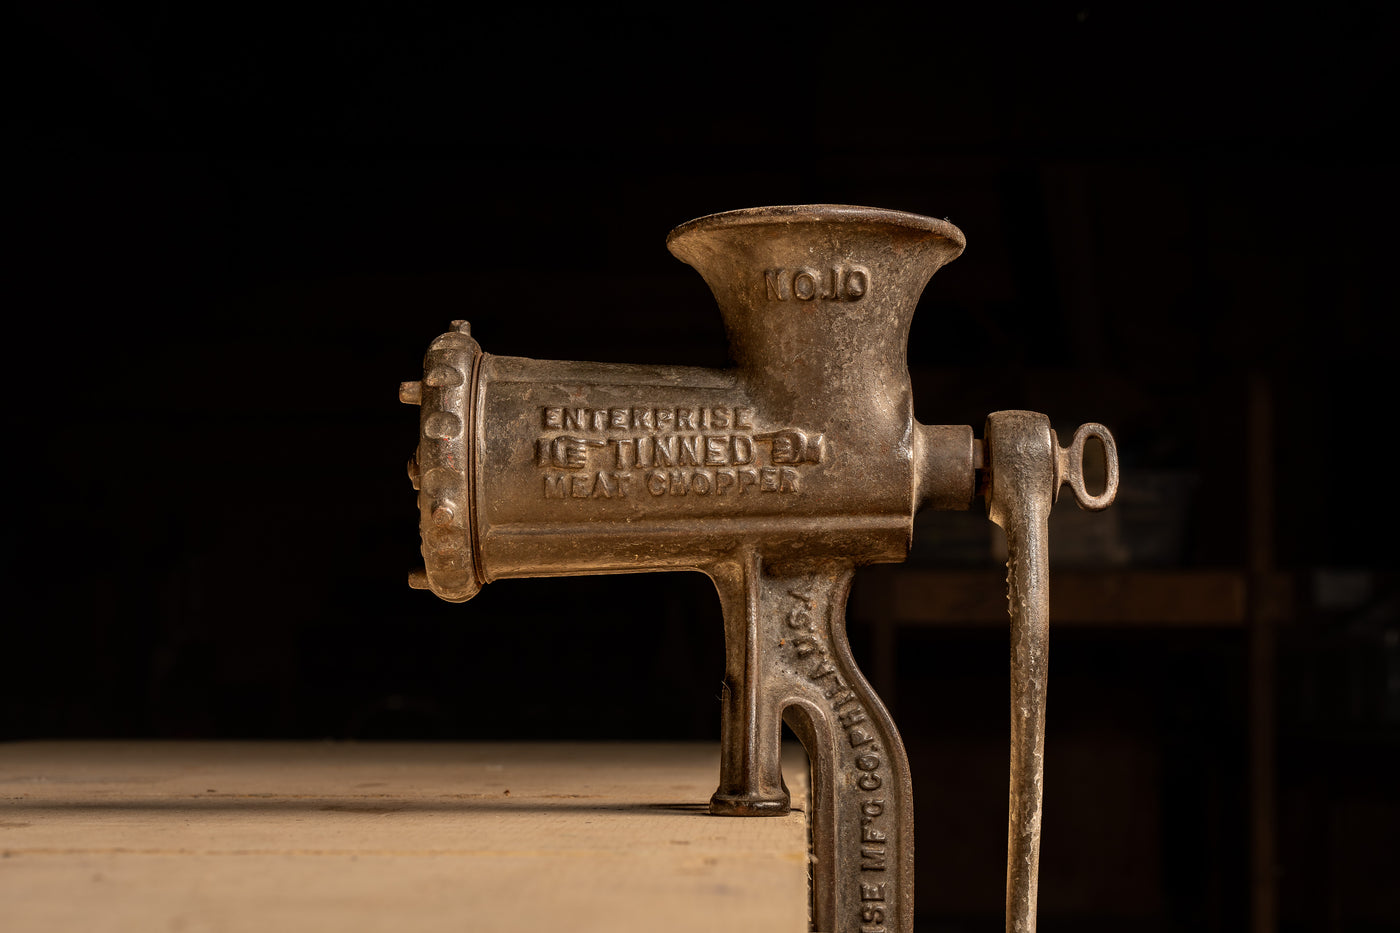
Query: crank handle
1024,467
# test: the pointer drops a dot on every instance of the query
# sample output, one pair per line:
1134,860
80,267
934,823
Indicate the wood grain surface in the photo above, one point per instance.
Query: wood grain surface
128,836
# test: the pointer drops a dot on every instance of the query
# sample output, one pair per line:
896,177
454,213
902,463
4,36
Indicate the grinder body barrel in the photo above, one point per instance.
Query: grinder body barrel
596,468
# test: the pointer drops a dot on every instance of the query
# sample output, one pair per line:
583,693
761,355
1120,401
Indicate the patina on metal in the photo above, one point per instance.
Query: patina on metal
1026,467
776,477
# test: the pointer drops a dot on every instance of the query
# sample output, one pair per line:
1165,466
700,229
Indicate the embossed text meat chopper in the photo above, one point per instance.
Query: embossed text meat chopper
776,477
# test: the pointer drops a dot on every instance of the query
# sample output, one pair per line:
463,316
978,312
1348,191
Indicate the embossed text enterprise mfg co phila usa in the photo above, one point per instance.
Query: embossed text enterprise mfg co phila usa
777,477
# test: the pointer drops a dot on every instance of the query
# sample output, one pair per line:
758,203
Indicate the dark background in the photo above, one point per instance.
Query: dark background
235,230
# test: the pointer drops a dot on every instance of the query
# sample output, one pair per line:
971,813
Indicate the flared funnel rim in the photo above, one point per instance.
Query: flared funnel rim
817,213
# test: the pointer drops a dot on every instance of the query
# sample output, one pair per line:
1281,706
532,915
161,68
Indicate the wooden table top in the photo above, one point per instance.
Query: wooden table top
257,836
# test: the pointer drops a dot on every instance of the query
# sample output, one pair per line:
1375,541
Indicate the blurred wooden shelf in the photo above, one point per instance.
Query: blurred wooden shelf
1100,598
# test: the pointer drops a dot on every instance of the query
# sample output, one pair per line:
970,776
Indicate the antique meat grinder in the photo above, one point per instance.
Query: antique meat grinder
776,477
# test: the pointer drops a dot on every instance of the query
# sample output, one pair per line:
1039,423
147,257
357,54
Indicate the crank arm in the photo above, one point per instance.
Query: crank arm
1026,467
788,659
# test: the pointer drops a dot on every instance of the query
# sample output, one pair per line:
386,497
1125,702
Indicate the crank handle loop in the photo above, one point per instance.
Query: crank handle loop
1069,467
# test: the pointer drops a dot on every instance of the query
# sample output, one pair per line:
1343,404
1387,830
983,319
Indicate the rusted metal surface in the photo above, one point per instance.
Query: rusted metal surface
1026,467
776,477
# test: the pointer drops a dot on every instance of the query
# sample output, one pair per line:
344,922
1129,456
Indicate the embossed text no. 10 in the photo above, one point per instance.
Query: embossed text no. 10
836,283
